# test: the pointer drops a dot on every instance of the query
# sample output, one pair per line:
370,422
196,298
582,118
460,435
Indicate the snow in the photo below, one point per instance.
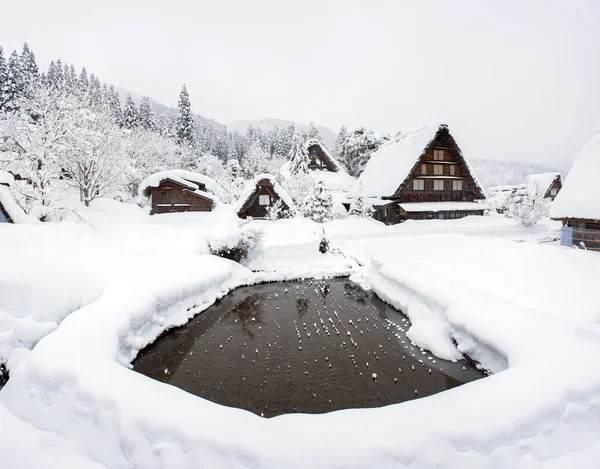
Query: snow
85,298
13,209
183,177
6,178
580,194
339,181
250,186
441,206
542,180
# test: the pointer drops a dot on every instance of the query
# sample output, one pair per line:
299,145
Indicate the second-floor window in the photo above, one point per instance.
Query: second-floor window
264,199
438,169
418,184
452,170
457,185
438,185
423,169
438,154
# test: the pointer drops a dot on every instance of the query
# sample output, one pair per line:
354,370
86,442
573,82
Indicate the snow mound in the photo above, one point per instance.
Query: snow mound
183,177
580,194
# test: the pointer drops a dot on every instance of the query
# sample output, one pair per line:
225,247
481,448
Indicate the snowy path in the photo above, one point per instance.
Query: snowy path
522,310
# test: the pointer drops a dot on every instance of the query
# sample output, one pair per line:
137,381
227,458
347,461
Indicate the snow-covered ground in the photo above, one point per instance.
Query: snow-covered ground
78,301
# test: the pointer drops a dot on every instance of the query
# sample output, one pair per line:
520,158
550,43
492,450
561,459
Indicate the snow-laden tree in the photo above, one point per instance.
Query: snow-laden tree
114,103
357,148
83,83
30,73
211,166
312,132
14,85
528,206
297,187
146,115
37,138
360,207
256,161
339,142
318,205
95,161
298,156
184,128
130,114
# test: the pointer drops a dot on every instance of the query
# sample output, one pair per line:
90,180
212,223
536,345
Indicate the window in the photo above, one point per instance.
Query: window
438,185
553,192
438,169
418,184
438,155
457,185
423,169
3,215
164,193
264,199
452,170
441,216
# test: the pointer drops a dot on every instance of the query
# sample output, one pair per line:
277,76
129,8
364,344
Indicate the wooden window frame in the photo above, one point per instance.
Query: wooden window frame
455,183
418,184
438,182
424,169
261,198
437,152
438,169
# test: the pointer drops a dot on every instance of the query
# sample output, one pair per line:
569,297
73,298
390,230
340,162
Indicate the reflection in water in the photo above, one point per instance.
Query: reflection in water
310,347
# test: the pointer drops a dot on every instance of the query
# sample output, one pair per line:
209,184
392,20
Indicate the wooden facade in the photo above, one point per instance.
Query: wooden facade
320,159
440,174
554,188
263,197
581,233
171,196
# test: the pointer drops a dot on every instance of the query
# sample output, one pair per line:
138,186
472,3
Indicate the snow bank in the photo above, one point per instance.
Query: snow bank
14,210
6,178
580,194
186,178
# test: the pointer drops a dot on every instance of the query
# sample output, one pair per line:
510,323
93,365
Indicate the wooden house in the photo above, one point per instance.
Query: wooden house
549,184
259,195
577,205
180,191
320,158
420,175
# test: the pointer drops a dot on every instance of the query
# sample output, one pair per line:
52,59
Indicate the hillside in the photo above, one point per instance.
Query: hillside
499,173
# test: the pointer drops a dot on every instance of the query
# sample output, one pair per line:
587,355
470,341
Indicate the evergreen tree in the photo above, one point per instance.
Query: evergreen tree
146,115
94,92
29,71
339,142
14,84
357,148
360,207
318,205
185,120
59,73
3,76
83,83
114,104
312,132
130,114
298,156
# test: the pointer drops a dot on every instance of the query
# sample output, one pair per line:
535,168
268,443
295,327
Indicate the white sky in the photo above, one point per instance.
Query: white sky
516,80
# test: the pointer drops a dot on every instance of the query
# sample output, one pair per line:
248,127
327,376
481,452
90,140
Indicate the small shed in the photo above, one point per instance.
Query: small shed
180,191
577,205
259,195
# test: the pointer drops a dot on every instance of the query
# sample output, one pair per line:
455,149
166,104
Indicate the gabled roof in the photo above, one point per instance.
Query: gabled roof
394,161
190,180
580,194
544,180
332,164
251,186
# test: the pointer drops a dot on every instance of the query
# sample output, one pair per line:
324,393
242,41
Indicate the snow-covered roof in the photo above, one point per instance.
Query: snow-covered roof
442,206
334,163
391,164
507,188
338,181
188,179
544,180
580,194
14,210
6,178
250,187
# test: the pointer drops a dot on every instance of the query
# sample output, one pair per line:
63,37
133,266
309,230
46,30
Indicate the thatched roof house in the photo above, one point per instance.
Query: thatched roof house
178,190
421,174
548,183
577,205
259,195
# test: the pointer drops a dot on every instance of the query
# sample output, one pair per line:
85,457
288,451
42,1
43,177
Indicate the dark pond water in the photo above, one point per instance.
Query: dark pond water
307,347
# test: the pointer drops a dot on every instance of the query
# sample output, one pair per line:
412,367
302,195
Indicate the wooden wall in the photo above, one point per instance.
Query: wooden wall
171,196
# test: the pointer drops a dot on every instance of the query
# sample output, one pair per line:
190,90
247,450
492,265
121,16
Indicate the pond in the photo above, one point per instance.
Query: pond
310,346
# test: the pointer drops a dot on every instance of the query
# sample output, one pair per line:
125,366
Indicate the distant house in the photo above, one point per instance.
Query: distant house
577,205
259,195
549,184
419,175
499,197
180,191
320,158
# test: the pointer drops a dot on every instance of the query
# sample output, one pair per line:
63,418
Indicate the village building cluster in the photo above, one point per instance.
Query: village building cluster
421,174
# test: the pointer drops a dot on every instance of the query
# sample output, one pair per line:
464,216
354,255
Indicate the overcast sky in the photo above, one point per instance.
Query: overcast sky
516,80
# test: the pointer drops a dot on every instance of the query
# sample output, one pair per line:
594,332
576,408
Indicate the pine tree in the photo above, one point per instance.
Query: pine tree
185,120
318,205
298,156
357,148
146,115
14,84
360,207
83,83
94,92
114,104
29,71
312,132
339,142
3,76
130,114
59,73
